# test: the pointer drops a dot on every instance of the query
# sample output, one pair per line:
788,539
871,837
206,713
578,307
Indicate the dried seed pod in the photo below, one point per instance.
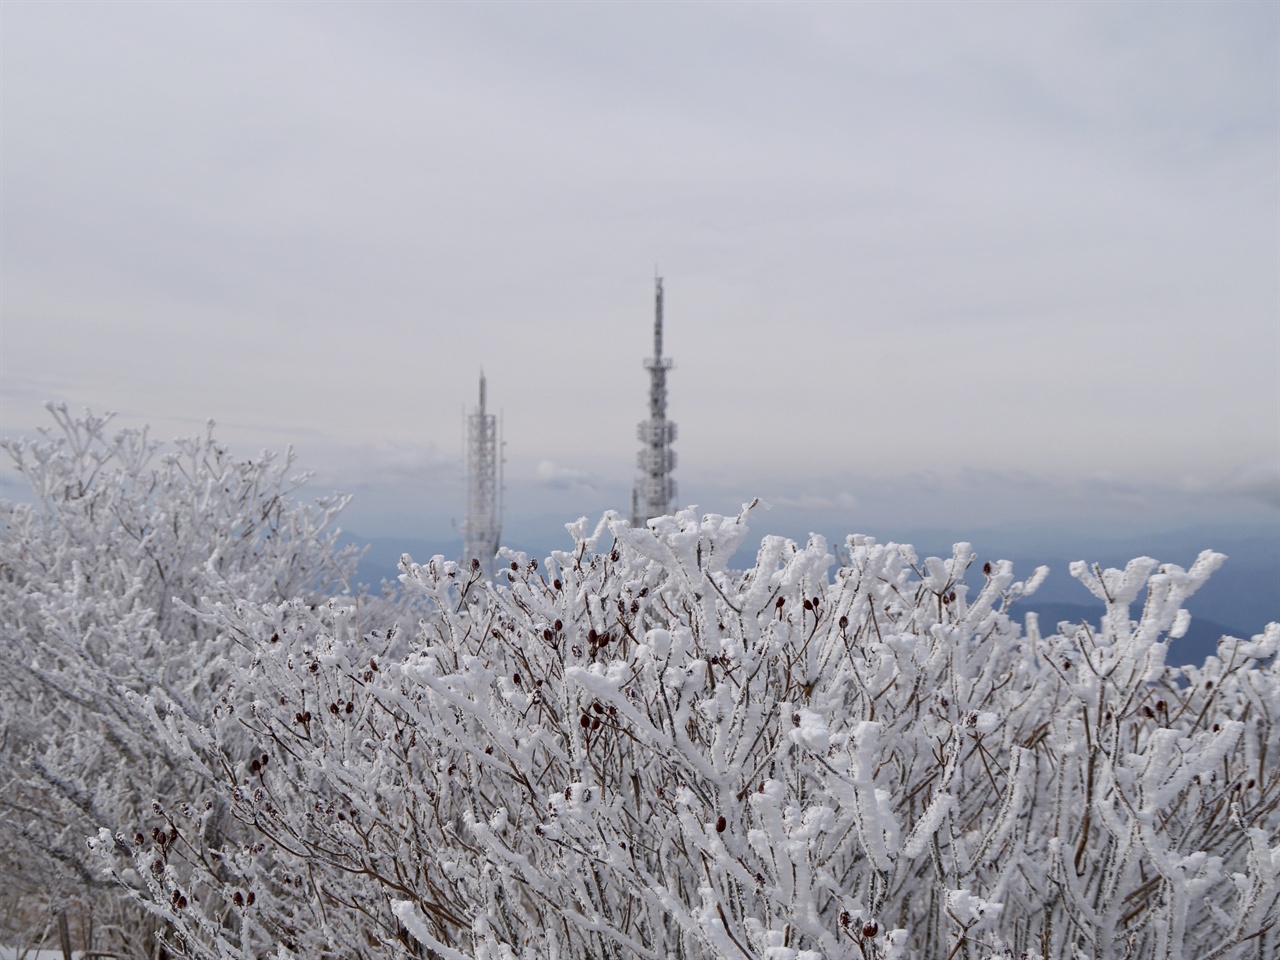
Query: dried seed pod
721,823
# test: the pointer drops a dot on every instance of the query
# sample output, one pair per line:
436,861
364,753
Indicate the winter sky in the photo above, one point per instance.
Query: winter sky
926,264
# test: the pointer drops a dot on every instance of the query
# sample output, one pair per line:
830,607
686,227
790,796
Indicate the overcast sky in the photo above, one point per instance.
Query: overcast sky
924,262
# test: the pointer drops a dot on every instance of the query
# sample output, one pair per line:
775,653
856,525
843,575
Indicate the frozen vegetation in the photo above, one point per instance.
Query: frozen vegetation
212,746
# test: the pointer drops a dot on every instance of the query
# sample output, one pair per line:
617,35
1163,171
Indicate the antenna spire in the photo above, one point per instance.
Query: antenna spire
655,489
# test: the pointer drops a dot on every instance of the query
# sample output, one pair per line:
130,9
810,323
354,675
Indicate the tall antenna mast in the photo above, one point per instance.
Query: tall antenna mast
482,530
655,490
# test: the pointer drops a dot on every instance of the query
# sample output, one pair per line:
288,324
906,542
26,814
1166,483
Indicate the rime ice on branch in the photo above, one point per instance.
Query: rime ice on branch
631,751
99,581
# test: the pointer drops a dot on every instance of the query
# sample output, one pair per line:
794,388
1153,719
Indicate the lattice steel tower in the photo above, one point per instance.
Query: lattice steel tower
655,491
483,527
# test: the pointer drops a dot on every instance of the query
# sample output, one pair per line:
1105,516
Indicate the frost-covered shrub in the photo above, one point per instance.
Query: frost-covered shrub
98,578
631,751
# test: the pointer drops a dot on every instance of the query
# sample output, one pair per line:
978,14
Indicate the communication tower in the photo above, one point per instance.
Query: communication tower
482,529
655,490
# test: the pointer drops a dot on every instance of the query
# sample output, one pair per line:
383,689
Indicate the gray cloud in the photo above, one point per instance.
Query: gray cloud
563,478
843,501
1259,481
897,238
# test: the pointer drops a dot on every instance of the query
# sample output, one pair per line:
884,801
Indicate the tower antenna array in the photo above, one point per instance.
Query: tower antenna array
655,490
482,530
